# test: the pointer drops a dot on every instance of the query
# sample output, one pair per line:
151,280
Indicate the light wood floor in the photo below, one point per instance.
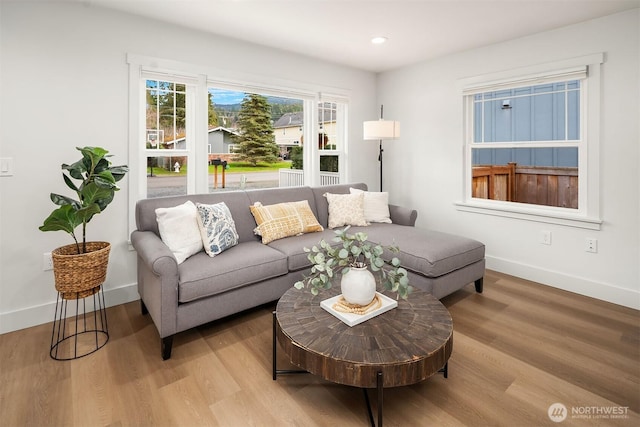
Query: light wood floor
518,348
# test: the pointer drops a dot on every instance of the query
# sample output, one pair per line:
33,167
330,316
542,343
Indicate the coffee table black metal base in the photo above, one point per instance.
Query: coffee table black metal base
380,390
379,379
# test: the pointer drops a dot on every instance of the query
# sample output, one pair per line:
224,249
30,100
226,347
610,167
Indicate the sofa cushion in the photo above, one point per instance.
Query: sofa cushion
430,253
216,227
201,276
346,209
284,220
178,228
293,247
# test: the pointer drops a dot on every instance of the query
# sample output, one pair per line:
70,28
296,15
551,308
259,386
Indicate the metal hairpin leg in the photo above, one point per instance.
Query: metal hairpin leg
379,391
277,371
445,370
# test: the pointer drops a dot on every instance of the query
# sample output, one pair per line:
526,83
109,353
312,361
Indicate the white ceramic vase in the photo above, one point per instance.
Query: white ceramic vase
358,286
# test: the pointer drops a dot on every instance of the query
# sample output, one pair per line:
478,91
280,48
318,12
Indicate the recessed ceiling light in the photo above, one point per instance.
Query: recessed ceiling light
378,40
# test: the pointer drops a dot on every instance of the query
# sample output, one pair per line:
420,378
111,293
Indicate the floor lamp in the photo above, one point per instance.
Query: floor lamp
379,130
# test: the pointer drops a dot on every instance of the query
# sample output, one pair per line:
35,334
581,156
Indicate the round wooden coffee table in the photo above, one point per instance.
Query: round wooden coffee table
403,346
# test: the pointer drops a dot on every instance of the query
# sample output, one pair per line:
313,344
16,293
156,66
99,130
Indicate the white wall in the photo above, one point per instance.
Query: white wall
424,168
64,84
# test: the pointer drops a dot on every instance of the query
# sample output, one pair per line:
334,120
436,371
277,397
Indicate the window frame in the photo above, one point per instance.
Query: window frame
197,80
192,89
588,213
341,132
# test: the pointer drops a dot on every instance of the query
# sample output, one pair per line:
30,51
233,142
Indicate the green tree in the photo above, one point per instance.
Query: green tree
172,100
256,142
296,158
213,116
327,163
166,110
280,109
152,110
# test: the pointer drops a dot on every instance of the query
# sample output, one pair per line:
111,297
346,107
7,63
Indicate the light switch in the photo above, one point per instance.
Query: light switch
6,166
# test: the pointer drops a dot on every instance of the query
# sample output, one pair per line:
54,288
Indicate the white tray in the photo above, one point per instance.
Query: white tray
352,319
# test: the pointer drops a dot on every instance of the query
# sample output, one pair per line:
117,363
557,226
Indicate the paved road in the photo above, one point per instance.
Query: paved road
168,185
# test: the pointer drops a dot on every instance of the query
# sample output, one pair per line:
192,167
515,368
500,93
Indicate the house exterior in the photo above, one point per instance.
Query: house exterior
220,143
288,130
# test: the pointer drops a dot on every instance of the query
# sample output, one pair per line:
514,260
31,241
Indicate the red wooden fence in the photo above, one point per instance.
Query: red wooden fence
550,186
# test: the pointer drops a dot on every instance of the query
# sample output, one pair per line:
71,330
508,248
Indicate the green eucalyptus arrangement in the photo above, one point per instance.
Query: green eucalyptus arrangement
353,251
95,192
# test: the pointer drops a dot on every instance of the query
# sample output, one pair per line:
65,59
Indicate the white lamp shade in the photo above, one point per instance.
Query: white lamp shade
381,129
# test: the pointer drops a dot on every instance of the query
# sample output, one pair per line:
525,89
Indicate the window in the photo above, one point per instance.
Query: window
526,143
184,131
531,141
165,146
282,118
330,140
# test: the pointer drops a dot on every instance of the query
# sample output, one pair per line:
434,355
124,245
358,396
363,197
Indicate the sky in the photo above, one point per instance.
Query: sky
226,97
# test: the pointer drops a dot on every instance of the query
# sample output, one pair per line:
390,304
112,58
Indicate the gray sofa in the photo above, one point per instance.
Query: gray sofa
203,289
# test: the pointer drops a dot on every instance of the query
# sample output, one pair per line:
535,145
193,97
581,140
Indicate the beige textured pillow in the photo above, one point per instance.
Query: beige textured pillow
346,209
284,220
376,205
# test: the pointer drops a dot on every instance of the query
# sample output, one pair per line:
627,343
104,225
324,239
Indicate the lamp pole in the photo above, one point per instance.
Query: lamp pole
379,130
381,150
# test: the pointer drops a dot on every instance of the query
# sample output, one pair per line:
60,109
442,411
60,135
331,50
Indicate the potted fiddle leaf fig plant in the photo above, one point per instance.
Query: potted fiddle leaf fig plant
81,266
352,253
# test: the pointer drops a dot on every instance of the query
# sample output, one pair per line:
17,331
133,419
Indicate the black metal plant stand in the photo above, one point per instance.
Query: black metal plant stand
77,333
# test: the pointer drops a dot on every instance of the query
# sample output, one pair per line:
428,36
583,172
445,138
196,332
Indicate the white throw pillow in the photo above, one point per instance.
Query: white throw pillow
179,230
346,209
376,205
217,228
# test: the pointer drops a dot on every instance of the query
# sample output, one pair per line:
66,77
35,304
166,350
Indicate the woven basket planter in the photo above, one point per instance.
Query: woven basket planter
80,275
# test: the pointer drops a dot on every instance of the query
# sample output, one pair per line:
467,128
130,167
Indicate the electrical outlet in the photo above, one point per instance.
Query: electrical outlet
545,237
591,245
6,166
47,261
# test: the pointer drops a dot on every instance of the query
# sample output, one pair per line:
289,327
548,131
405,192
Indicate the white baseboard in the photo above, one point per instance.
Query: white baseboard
44,313
579,285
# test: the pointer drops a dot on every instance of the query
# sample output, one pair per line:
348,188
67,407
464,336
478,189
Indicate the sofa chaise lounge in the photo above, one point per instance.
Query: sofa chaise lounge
201,289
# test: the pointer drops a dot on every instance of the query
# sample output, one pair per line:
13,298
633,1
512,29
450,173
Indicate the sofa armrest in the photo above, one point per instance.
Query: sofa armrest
403,216
154,253
157,281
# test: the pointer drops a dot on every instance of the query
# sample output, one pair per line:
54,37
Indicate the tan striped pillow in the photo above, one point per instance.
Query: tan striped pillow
284,220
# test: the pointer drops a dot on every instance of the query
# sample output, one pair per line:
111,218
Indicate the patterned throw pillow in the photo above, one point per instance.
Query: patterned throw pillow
178,227
346,209
284,220
217,228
